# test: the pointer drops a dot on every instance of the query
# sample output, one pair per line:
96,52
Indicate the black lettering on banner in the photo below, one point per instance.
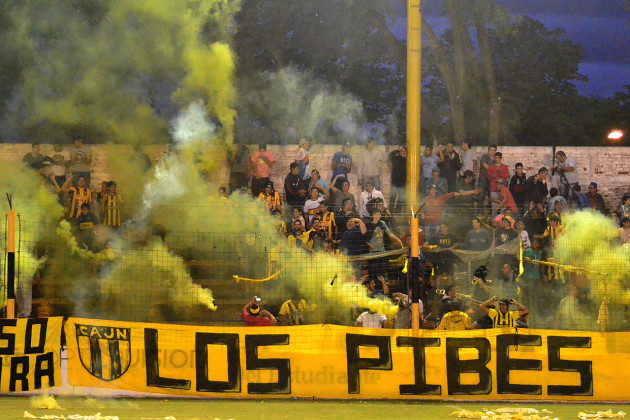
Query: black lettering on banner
505,364
356,363
420,386
583,367
18,375
28,336
9,338
41,371
153,368
202,341
455,367
283,366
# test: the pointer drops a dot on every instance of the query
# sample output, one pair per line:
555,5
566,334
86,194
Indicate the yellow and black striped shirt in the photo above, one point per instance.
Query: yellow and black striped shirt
502,320
111,209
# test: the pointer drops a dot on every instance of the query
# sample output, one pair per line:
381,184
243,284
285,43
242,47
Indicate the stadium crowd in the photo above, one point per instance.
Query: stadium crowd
474,210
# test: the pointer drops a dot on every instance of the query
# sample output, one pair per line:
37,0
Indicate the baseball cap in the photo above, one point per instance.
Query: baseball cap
593,184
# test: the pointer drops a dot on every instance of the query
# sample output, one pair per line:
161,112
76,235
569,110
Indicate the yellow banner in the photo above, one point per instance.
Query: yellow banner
29,354
327,361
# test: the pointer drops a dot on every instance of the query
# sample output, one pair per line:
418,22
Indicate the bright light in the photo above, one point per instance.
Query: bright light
615,135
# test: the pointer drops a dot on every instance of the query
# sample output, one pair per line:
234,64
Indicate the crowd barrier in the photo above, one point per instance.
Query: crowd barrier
337,362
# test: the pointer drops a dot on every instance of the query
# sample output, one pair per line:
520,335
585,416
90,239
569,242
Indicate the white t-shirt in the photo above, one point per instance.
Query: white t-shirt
365,197
310,207
572,177
368,320
468,159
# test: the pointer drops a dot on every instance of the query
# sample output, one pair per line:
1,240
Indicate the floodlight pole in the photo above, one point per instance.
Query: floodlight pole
414,60
414,26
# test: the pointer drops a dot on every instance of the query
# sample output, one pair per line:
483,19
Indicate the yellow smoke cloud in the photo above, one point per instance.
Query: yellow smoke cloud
37,210
591,243
107,68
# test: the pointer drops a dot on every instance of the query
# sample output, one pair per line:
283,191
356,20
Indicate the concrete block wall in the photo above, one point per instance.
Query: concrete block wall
608,166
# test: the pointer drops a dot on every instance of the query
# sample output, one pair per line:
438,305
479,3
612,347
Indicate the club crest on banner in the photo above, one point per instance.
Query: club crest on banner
104,351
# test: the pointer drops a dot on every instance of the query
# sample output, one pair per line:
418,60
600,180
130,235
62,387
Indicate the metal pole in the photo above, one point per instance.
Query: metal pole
413,275
11,264
414,44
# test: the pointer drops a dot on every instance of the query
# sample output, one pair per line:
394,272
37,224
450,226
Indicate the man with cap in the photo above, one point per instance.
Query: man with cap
503,318
594,199
271,198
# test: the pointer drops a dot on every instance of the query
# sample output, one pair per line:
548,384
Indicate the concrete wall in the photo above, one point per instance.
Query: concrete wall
608,166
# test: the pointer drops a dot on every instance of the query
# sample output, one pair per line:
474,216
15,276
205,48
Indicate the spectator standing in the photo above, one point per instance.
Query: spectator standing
503,317
271,198
497,172
329,223
371,319
469,159
366,195
240,167
58,163
255,316
377,229
111,206
302,158
523,235
624,231
371,160
316,181
140,159
432,212
345,213
536,188
440,183
342,194
505,198
85,224
397,194
35,160
477,239
311,206
449,163
485,162
294,186
353,239
428,164
263,160
78,196
341,165
517,187
80,164
594,199
567,170
624,210
554,198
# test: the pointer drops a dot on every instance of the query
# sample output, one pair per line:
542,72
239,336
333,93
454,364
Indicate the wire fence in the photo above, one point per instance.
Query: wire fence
565,280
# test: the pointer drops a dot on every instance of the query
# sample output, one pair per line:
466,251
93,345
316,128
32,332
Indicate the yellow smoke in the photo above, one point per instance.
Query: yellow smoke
37,211
591,243
106,68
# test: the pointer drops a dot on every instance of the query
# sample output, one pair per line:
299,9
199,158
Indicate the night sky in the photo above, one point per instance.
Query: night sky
601,27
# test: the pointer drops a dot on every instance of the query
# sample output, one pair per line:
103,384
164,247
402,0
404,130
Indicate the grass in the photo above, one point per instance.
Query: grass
146,408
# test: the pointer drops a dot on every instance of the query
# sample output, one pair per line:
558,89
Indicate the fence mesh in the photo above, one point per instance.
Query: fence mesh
572,277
